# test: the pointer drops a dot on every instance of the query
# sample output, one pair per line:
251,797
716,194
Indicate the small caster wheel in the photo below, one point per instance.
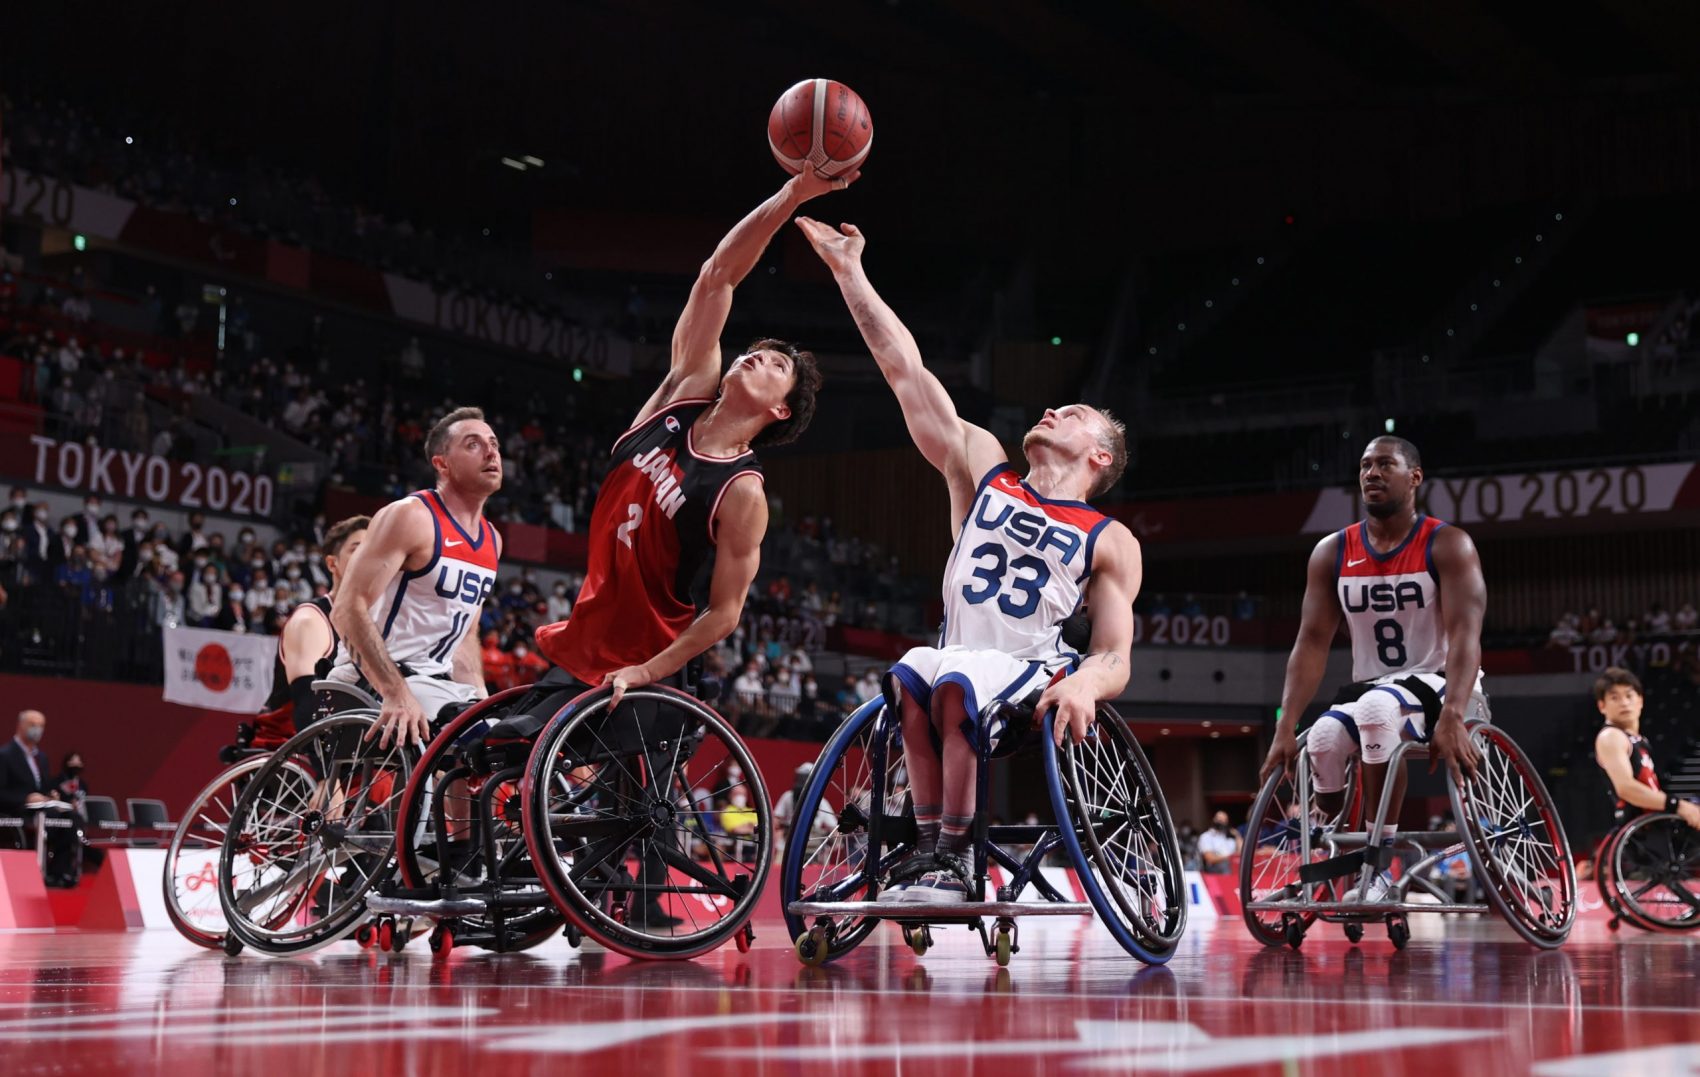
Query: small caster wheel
442,942
573,935
744,939
1614,923
1295,932
232,945
812,948
386,934
1398,932
1354,933
1005,946
366,935
919,939
403,935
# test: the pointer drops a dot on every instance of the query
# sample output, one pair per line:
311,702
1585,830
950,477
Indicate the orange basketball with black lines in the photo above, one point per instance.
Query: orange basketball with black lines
821,124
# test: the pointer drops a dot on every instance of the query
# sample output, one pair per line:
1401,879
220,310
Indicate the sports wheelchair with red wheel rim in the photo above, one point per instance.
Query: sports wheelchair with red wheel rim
1303,863
1649,873
854,824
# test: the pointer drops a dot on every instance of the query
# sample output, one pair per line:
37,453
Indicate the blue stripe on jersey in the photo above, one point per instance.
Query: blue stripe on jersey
409,577
1428,554
443,646
1091,541
469,540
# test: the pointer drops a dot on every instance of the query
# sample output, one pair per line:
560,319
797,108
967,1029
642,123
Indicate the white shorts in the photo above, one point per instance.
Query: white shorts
1415,726
985,678
433,695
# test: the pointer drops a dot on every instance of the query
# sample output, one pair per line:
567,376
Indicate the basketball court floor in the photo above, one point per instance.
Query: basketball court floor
1464,998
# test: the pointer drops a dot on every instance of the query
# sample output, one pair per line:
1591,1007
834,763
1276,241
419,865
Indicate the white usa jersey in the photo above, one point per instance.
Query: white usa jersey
1018,569
1391,602
424,615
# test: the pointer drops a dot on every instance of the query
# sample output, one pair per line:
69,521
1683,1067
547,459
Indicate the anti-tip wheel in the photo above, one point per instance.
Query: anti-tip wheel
1354,933
442,941
812,949
232,945
1005,947
1295,932
1398,932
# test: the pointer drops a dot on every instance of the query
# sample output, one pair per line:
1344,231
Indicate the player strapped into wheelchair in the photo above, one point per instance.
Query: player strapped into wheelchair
1311,854
1114,829
530,811
1648,871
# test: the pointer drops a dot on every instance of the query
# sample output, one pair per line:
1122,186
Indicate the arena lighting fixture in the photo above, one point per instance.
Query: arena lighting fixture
1056,342
1165,732
1389,425
128,141
233,201
517,166
1633,339
578,373
1245,729
1206,725
1213,736
1152,349
534,162
1558,216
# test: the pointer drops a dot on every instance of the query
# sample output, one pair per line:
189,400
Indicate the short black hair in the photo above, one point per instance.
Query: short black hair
806,381
1412,457
1614,677
337,537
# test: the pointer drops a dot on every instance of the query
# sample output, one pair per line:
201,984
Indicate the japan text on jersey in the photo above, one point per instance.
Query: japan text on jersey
1019,568
1391,602
425,615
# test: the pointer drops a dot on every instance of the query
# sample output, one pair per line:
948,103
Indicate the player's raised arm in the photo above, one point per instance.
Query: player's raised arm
1319,621
695,370
1117,571
960,450
1463,604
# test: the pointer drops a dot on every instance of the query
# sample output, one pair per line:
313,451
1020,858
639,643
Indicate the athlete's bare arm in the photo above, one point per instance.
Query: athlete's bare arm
695,371
739,526
306,638
1318,623
401,538
1117,571
1463,602
961,451
467,665
1611,752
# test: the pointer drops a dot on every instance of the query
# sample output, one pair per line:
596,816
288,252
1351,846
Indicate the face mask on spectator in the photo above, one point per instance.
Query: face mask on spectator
92,508
69,529
293,573
19,501
200,560
258,562
8,522
210,576
520,651
32,735
514,589
246,537
41,514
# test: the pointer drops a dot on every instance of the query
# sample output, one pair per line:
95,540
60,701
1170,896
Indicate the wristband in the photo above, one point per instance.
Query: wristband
1671,802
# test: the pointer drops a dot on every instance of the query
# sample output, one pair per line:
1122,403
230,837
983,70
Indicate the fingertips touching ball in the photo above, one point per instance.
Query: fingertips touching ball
821,124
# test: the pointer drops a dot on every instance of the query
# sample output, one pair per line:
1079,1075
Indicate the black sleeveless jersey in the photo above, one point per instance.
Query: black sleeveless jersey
280,678
1641,765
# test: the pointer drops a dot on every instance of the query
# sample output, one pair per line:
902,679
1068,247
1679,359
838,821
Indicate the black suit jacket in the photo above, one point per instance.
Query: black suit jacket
16,781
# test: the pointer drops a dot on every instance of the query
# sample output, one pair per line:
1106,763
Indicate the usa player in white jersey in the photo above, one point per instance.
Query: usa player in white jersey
1411,592
412,596
1027,551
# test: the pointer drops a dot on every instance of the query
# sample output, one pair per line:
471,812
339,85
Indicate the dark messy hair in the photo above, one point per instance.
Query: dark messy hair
1612,678
801,399
342,531
437,442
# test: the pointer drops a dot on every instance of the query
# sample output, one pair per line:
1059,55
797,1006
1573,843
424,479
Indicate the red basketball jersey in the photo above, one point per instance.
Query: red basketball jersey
651,539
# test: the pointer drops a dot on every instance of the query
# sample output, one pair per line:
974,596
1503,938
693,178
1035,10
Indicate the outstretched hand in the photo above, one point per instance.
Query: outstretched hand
840,248
810,184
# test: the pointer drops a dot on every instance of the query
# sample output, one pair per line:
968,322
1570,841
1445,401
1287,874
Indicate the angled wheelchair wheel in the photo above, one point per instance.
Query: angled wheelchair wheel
190,879
1115,825
312,833
1653,873
851,824
1610,893
449,810
1277,848
1518,851
621,822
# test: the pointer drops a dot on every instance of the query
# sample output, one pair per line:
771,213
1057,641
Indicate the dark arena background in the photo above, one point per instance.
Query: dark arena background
250,254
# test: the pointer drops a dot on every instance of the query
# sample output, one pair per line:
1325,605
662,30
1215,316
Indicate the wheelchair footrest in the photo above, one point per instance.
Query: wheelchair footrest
918,912
1345,864
438,908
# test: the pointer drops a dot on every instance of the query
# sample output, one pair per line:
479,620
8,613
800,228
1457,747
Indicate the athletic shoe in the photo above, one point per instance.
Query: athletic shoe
1380,892
904,876
944,885
654,916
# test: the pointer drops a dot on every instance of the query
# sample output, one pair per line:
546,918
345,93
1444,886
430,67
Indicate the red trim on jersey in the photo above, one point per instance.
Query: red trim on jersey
1409,558
484,552
1075,513
660,411
714,510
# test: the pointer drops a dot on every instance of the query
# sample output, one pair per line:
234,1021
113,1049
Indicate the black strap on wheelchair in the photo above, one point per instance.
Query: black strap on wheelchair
1428,697
1335,867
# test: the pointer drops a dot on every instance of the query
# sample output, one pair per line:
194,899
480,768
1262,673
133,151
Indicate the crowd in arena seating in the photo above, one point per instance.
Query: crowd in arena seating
1593,627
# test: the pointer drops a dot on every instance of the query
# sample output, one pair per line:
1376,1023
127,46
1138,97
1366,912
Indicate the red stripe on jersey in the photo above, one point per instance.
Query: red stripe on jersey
454,540
1073,513
1408,558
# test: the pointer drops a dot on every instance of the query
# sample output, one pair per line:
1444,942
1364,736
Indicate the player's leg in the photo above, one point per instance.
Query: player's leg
949,712
1383,720
1330,744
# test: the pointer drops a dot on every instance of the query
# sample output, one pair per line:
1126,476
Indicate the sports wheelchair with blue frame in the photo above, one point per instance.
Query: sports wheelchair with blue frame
1305,862
854,824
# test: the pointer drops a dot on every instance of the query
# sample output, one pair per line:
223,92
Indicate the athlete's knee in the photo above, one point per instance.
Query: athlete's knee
1380,719
1330,745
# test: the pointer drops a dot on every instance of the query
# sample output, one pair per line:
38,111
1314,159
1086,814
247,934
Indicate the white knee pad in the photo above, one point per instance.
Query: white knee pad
1330,746
1381,723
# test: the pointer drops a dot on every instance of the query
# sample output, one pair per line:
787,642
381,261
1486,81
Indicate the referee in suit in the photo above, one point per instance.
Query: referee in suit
27,781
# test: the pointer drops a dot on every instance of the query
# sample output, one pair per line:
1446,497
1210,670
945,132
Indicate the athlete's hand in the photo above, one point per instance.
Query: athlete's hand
809,184
1283,750
1689,813
1075,708
401,720
622,679
1451,744
840,250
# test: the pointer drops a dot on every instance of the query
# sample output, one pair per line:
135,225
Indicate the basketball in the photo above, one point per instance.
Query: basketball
821,123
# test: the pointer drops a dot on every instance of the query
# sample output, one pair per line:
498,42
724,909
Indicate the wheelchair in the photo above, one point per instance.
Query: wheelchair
1303,863
190,879
312,831
1648,872
1112,824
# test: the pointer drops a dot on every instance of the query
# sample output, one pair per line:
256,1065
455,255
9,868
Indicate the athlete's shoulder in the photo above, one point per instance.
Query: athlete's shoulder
1449,543
1611,737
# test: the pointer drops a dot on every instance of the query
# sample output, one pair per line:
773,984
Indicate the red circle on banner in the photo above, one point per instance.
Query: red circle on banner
213,668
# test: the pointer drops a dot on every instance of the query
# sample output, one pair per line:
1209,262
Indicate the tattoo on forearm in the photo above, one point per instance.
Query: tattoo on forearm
1110,658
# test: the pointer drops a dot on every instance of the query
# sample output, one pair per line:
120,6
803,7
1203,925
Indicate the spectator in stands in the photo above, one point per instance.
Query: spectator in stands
1564,633
65,541
88,524
560,603
498,667
1218,846
848,696
26,790
1687,619
106,547
869,686
528,665
1604,632
748,692
38,533
196,536
206,598
167,606
233,615
1656,621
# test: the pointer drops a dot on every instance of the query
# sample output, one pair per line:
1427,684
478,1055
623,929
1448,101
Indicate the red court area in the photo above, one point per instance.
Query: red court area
1464,998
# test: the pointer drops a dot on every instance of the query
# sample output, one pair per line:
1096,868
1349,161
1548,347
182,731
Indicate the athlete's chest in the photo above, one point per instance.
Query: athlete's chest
1020,527
462,582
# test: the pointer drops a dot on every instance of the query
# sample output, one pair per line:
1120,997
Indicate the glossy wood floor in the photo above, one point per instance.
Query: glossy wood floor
1465,998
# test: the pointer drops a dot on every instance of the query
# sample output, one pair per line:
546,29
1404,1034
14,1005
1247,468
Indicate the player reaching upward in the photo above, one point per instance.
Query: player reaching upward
1622,752
411,598
1027,549
1410,589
